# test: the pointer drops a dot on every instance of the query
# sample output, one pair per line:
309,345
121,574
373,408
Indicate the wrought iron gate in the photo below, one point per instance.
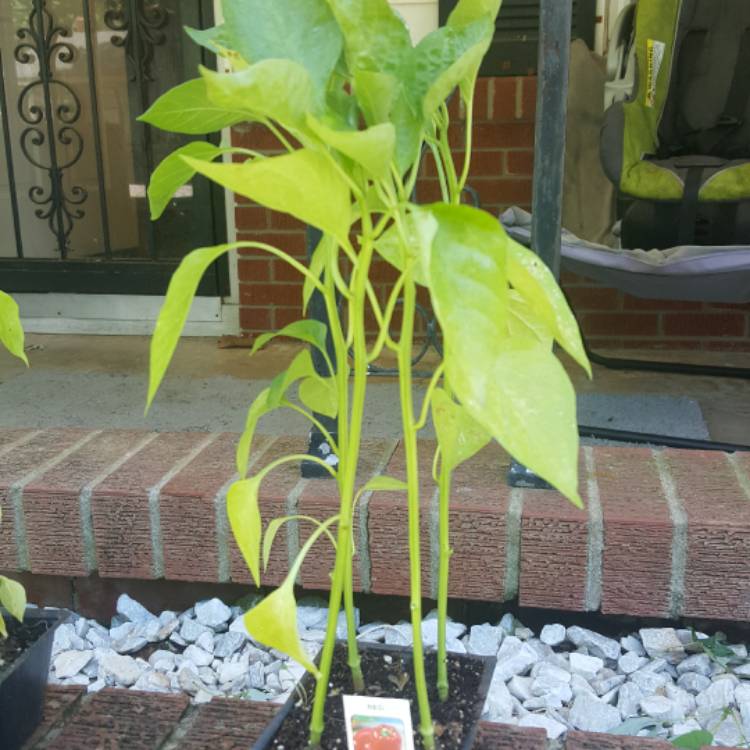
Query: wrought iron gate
74,163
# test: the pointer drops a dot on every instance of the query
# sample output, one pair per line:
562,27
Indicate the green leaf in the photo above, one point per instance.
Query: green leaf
384,483
696,740
274,623
304,31
313,332
467,11
13,597
532,279
279,90
11,332
175,310
213,38
521,396
523,322
187,109
458,433
419,229
273,529
244,518
372,148
319,259
300,367
257,409
376,94
173,172
447,57
320,395
375,37
303,184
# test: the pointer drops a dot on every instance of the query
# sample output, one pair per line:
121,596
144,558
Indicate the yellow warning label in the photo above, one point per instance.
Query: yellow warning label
654,59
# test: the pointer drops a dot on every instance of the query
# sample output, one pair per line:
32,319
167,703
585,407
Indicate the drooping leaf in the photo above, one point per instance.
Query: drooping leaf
257,409
532,279
419,229
279,90
372,148
216,40
696,740
175,310
311,331
275,525
273,622
467,11
303,184
300,367
11,332
187,109
458,433
384,483
318,262
319,395
524,323
521,396
173,172
244,519
13,597
304,31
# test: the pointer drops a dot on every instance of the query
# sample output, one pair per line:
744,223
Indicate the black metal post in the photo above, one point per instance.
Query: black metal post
555,21
316,310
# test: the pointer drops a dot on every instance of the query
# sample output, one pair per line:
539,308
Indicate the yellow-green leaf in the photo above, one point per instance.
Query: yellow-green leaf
419,228
273,622
467,11
372,148
3,628
318,262
532,279
279,90
319,395
187,109
176,308
11,333
300,367
458,433
524,323
311,331
13,597
383,483
273,529
303,184
173,172
245,521
257,409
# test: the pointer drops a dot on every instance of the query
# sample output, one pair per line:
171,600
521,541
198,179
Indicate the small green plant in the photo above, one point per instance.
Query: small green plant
354,104
12,594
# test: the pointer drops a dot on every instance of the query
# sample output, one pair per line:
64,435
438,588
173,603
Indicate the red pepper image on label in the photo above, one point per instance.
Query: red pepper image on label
381,737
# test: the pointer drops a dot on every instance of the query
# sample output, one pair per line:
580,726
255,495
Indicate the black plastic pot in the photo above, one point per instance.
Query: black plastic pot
22,687
308,684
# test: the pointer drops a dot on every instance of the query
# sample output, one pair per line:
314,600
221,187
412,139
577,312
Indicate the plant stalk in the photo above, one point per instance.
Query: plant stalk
412,480
443,570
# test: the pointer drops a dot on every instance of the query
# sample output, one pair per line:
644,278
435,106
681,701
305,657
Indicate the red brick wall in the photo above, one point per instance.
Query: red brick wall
502,166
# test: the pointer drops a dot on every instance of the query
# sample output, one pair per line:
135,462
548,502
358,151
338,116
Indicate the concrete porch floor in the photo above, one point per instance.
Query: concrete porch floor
100,382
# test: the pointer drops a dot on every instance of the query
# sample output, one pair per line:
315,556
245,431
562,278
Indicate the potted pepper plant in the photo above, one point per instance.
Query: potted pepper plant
354,104
25,634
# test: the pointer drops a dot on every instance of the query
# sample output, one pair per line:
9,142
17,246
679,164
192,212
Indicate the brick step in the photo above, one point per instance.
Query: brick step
664,533
132,720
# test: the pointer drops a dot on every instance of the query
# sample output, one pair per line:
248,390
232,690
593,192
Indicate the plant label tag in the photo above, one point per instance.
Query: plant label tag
377,723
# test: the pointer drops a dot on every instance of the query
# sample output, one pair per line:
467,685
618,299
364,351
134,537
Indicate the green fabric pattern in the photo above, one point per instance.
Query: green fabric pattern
655,20
728,185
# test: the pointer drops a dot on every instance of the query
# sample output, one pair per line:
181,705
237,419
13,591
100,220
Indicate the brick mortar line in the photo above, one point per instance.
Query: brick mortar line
18,442
84,501
15,495
512,575
154,499
742,478
595,539
679,535
365,561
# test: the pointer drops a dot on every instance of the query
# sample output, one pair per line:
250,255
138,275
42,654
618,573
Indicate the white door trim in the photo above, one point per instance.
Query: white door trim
119,314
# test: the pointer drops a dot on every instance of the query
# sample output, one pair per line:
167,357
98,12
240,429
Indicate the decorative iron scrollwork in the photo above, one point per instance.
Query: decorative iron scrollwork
140,41
50,124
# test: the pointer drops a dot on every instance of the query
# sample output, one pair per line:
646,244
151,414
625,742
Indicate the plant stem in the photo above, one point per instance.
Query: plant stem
443,569
341,584
412,479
